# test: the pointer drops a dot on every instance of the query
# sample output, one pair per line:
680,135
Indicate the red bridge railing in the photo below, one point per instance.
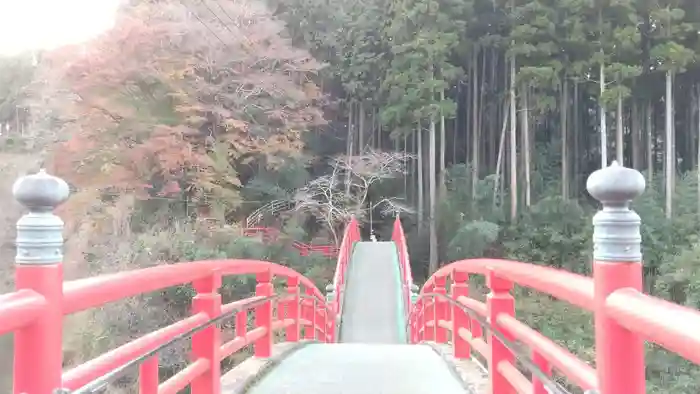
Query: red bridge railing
399,239
270,234
35,312
624,316
336,290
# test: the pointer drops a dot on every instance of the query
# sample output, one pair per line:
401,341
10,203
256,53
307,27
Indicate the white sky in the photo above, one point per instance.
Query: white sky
47,24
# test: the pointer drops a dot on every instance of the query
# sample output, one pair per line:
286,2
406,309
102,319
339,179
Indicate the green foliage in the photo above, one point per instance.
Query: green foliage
472,239
557,232
554,232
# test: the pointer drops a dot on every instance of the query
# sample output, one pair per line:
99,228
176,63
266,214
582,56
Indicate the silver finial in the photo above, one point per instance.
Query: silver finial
40,191
414,292
40,232
615,184
330,293
616,236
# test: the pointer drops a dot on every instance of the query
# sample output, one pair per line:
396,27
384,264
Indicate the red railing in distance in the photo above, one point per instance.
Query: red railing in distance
306,249
34,313
399,239
351,235
268,234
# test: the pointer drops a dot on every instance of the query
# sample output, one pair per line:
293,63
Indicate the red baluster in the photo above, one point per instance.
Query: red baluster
429,315
460,318
499,301
263,315
314,314
617,264
241,323
309,331
148,376
441,310
544,366
206,343
292,332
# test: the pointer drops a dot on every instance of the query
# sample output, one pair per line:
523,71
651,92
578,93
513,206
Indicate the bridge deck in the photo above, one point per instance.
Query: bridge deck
373,309
361,369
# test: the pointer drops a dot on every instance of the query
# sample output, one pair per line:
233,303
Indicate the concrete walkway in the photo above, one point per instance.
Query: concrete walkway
373,357
373,310
354,368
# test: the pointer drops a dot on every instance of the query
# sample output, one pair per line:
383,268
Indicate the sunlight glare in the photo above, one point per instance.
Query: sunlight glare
27,25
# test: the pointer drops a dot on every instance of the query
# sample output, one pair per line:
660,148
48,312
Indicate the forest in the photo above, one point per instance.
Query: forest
476,121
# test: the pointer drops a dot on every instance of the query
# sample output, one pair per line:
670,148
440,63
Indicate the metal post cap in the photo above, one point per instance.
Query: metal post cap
615,185
616,235
40,191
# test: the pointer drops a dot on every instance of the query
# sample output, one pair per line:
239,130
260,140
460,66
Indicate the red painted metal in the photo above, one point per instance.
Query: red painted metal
263,316
440,307
270,234
38,343
350,237
34,313
624,318
460,288
292,332
399,239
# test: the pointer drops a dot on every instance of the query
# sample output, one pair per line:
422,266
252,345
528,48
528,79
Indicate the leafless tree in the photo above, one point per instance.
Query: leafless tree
330,200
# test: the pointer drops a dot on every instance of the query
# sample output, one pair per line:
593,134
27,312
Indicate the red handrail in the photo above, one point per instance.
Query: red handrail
351,235
399,239
35,313
641,316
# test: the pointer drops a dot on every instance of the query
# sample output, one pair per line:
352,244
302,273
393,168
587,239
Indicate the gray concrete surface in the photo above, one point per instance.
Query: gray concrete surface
372,308
354,368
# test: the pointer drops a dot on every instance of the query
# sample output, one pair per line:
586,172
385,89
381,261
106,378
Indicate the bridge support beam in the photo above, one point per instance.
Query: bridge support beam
617,264
38,359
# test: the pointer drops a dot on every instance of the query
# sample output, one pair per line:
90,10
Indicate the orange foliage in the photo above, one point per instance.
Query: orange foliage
160,105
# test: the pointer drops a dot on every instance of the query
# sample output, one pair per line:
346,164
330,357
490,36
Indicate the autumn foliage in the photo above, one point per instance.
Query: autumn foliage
175,98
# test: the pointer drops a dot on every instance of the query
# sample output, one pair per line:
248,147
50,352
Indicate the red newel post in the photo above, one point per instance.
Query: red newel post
544,366
330,313
418,321
428,315
292,332
206,343
441,310
263,315
38,356
460,319
617,264
241,323
310,331
149,376
499,301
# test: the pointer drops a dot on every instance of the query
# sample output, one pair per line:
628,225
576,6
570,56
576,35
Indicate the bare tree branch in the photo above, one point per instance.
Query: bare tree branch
330,202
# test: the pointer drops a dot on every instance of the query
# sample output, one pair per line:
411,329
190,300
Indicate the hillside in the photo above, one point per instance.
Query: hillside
477,120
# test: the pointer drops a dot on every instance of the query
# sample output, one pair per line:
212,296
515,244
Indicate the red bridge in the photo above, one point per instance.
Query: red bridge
371,332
